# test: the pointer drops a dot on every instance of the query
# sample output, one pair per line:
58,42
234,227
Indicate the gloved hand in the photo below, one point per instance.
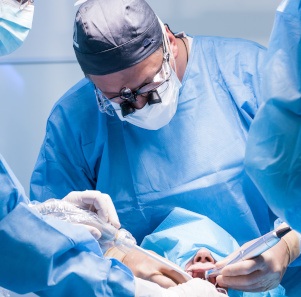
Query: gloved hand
263,272
193,288
26,1
97,202
147,268
75,206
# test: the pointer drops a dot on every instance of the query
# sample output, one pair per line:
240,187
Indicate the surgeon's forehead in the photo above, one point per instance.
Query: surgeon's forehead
132,77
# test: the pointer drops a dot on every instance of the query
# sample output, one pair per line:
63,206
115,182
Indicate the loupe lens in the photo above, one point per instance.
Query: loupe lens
126,108
153,98
127,95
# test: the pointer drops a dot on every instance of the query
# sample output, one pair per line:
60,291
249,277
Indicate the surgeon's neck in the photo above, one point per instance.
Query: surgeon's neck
183,55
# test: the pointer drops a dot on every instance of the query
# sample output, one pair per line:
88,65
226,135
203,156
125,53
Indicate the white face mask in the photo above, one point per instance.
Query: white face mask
15,23
155,116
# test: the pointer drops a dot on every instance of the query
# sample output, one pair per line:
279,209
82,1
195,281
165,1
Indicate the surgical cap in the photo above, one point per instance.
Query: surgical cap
183,233
110,36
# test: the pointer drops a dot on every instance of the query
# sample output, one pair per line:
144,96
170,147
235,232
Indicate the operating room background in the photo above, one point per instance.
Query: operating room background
34,77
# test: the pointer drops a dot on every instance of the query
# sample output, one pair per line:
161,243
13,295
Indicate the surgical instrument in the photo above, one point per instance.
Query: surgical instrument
260,245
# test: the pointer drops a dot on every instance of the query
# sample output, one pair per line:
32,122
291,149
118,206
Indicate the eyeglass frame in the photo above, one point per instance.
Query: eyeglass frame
138,91
104,102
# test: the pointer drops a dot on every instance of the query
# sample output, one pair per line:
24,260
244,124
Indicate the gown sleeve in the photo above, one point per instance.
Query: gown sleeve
273,155
49,257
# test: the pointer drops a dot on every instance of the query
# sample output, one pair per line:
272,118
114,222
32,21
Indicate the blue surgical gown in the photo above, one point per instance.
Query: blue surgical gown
274,148
50,257
195,162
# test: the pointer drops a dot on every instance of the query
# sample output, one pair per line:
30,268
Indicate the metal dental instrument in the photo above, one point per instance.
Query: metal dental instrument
262,244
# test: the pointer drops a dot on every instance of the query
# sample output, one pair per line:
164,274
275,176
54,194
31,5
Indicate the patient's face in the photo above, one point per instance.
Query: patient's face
199,263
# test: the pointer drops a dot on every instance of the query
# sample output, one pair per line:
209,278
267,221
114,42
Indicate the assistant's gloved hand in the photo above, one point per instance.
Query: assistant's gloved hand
264,272
97,202
193,288
77,207
147,268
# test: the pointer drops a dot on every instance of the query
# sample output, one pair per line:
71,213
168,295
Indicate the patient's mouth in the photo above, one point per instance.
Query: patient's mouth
198,269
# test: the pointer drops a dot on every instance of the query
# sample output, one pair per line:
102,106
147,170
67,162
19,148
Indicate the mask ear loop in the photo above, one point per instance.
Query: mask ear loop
167,48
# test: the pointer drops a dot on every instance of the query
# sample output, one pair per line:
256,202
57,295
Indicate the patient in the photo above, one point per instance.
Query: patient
196,243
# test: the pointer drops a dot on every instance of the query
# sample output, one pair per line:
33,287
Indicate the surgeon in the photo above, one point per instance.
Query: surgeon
273,156
50,257
161,121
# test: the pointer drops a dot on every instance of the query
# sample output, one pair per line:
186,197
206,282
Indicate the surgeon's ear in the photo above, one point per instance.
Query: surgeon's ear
172,40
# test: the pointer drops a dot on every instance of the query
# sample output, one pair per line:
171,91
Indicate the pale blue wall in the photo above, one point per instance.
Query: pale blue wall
232,18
